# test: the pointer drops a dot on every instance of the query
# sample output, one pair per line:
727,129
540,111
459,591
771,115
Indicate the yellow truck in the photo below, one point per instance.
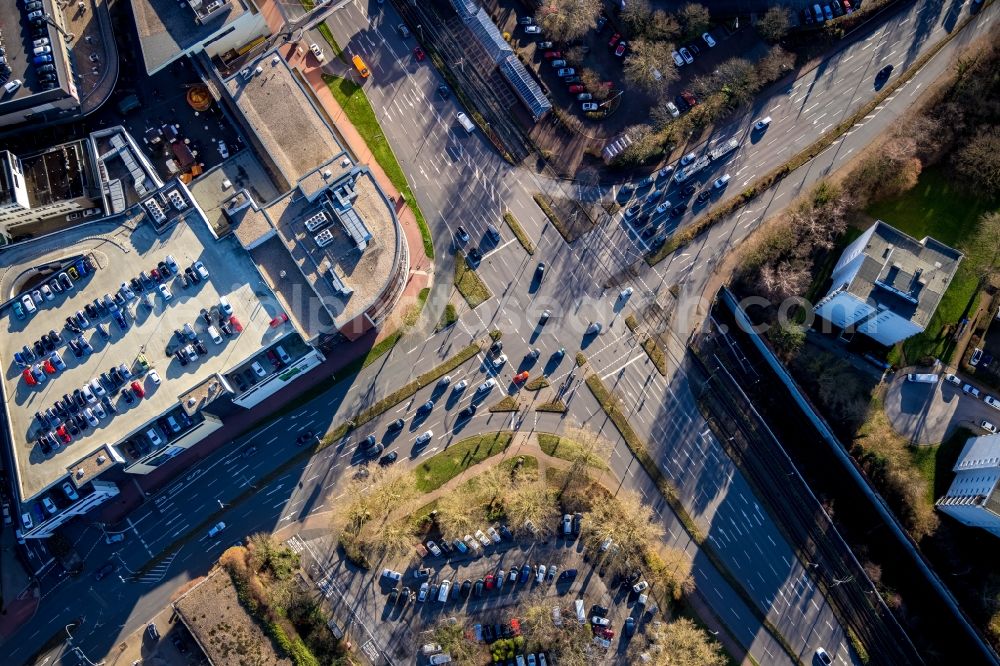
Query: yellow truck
362,68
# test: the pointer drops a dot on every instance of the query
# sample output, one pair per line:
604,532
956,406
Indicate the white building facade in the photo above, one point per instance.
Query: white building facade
973,498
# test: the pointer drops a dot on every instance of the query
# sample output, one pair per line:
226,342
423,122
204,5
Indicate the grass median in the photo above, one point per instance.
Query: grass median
442,467
352,99
519,233
469,284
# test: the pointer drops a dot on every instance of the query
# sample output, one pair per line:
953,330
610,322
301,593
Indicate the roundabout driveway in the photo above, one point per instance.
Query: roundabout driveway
927,413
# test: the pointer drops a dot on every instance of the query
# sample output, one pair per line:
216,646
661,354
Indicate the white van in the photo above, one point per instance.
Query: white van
581,614
923,379
283,355
443,592
213,333
466,123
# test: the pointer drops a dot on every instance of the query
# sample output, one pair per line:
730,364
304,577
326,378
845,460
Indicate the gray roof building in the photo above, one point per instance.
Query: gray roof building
525,86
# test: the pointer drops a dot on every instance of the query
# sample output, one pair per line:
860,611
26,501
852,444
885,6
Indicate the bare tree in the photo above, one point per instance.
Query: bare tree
774,65
661,114
678,643
637,16
978,161
567,19
783,280
650,67
532,502
457,515
627,521
695,19
738,79
982,250
662,27
575,55
392,539
591,80
374,496
774,24
569,644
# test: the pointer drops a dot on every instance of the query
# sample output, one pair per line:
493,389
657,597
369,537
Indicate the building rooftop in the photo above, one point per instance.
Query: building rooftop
167,27
56,174
213,614
291,130
979,453
122,247
903,274
346,278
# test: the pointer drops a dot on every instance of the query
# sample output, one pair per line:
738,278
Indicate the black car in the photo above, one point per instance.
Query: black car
39,349
393,596
475,256
540,271
466,588
506,533
127,396
368,442
689,189
632,210
629,626
425,408
598,610
682,104
395,425
649,231
496,347
704,196
376,451
884,73
305,437
678,210
200,346
478,591
462,235
151,629
106,570
568,574
136,285
192,275
181,358
443,91
468,412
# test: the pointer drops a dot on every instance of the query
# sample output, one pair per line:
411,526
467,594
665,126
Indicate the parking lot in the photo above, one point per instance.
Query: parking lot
487,584
122,346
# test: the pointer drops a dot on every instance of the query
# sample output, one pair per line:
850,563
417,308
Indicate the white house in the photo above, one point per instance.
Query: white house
887,284
974,496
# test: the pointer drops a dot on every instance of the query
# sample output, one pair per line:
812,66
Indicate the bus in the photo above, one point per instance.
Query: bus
362,68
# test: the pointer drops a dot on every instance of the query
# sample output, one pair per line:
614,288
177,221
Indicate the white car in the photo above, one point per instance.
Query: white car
721,182
594,328
494,535
992,402
461,386
672,109
708,40
590,106
566,71
688,58
687,159
431,648
533,30
483,539
216,529
662,208
223,149
624,293
952,379
600,621
12,85
202,271
970,390
318,52
977,354
49,506
434,548
424,589
424,438
392,575
28,303
154,377
499,361
823,657
641,586
988,427
678,60
486,386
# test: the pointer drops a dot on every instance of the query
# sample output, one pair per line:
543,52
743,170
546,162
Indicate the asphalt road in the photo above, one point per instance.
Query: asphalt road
460,179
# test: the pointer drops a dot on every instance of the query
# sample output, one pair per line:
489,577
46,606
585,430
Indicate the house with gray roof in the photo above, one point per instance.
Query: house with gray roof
887,284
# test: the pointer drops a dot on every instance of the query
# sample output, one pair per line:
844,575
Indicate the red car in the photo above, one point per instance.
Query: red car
419,54
271,356
620,51
28,377
614,40
604,632
552,54
689,98
489,582
235,323
138,390
521,377
279,320
515,626
608,84
575,88
63,435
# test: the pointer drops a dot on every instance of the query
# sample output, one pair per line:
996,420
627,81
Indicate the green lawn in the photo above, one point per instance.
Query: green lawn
933,208
442,467
352,99
567,449
935,462
468,283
